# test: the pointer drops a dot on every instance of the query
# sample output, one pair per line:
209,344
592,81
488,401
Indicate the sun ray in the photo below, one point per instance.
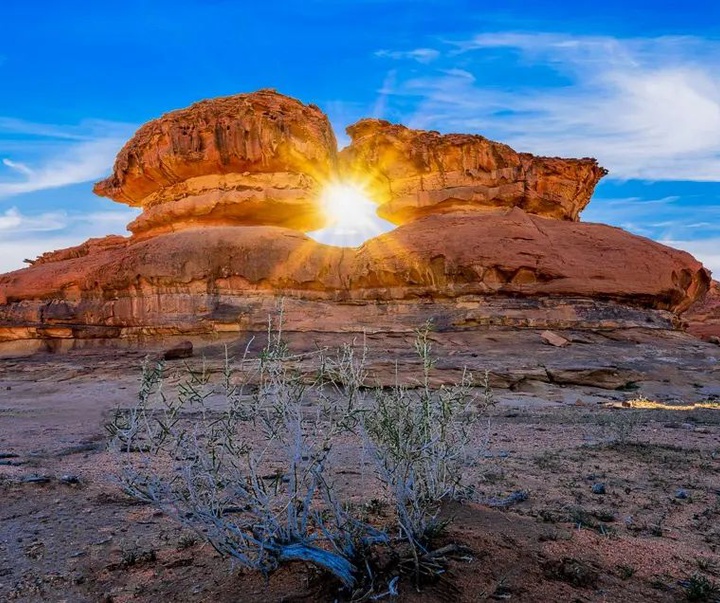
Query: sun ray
352,216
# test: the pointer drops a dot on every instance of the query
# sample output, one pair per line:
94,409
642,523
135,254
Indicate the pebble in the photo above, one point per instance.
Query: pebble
69,478
598,488
681,493
36,479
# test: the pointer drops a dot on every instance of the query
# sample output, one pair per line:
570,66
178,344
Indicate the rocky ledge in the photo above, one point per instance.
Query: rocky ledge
487,238
415,173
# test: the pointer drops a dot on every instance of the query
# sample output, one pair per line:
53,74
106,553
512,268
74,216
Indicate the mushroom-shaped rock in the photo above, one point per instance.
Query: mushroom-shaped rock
254,158
413,173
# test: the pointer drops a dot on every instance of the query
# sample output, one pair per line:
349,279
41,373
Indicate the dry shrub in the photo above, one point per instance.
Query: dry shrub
250,464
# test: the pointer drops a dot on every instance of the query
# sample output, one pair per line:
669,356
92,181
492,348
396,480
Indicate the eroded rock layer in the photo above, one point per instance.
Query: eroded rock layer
489,238
415,173
249,158
703,317
217,279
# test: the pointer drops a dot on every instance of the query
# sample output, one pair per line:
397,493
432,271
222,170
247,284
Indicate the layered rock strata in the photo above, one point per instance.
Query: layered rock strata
414,173
488,238
255,158
551,274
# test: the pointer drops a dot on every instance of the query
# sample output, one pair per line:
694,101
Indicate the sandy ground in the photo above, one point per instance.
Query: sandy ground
68,533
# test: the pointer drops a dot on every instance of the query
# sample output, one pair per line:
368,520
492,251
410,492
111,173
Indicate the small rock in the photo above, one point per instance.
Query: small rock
179,562
598,488
184,349
69,479
554,339
681,493
714,339
36,479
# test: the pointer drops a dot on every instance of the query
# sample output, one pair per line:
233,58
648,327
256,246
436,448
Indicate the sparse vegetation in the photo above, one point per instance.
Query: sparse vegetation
699,588
250,464
618,427
647,404
130,557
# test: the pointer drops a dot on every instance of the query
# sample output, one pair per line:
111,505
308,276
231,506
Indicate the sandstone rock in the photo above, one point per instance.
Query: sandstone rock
539,257
703,317
413,173
262,150
91,246
554,339
488,239
550,274
606,377
281,198
518,254
184,349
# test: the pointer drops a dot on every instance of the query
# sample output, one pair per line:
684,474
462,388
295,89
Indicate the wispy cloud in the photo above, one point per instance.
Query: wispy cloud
647,108
421,55
14,224
18,167
48,156
667,218
24,235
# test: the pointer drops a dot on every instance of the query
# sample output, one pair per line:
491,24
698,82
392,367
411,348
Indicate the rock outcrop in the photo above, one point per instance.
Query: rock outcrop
255,158
414,173
703,317
488,238
211,280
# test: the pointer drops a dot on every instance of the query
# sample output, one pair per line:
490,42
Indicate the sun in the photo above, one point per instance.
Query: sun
347,205
352,217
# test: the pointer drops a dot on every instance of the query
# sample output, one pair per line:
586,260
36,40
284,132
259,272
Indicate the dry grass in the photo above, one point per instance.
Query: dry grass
641,402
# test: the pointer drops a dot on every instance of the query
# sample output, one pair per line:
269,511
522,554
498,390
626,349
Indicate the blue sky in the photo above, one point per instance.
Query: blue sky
636,84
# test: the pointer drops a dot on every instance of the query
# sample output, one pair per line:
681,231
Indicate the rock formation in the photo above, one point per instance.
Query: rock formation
414,173
487,237
247,159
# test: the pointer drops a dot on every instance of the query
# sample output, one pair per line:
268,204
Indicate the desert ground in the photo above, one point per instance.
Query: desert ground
615,440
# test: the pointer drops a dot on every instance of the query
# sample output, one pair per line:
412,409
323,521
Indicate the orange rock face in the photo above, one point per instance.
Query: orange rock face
550,273
251,158
414,173
519,254
488,237
703,317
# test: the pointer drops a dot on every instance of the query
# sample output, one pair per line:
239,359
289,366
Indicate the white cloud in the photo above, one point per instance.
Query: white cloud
18,167
646,108
62,155
421,55
14,224
28,236
78,163
672,217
